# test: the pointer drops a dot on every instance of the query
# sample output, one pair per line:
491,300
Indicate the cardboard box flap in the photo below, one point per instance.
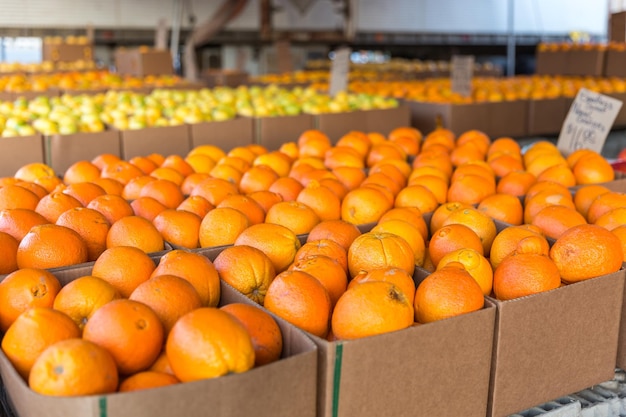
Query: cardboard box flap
554,343
18,151
64,150
272,132
167,140
226,134
335,125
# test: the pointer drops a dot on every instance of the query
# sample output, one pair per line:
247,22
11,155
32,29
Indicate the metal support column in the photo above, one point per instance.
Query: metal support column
510,47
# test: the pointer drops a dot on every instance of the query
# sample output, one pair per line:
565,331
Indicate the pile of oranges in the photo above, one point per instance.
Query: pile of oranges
369,235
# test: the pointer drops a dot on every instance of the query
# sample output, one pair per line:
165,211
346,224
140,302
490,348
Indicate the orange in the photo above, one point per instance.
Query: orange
14,196
240,163
257,178
505,164
74,367
447,292
241,152
350,177
479,222
164,191
227,172
463,154
543,162
384,150
503,207
302,300
32,332
195,204
178,163
178,227
123,267
427,170
560,173
132,190
80,298
256,148
364,205
374,250
325,247
554,220
37,189
145,164
169,174
410,146
212,151
396,169
435,184
417,196
267,338
450,238
471,189
327,271
90,225
573,157
208,343
356,140
162,364
322,200
586,251
543,199
112,207
409,233
121,171
440,161
146,380
198,270
247,269
371,308
396,276
477,138
516,183
104,159
523,274
110,186
313,142
584,196
620,232
504,144
604,203
52,183
297,217
387,193
18,222
146,207
278,161
253,211
51,246
266,199
81,171
221,226
169,296
214,190
339,231
507,241
31,172
315,175
442,212
593,169
55,204
338,156
474,263
385,180
191,181
290,149
137,232
157,158
8,249
475,167
287,187
278,242
541,186
130,331
612,219
23,289
441,136
84,192
412,215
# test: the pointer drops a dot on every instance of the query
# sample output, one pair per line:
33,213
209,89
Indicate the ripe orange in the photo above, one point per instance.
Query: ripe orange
442,212
55,204
179,227
124,267
18,222
221,226
278,242
447,292
364,205
267,338
13,196
350,177
110,186
471,189
544,199
555,220
130,331
80,298
504,164
450,238
325,247
584,196
208,343
121,171
302,300
516,183
338,231
104,159
84,192
297,217
377,250
51,246
137,232
313,142
503,207
32,332
560,173
247,269
162,364
409,233
327,271
384,180
31,172
146,207
287,187
146,380
90,225
198,270
604,203
197,205
214,190
169,174
371,308
212,151
507,240
165,192
257,178
37,189
384,150
132,190
81,171
266,198
479,222
169,296
74,367
191,181
523,274
417,196
253,211
178,163
474,263
398,277
145,164
112,207
586,251
324,202
620,232
8,249
358,141
612,219
592,169
545,186
23,289
278,161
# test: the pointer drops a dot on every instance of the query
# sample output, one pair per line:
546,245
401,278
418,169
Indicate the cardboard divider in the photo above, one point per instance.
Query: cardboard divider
226,134
61,151
615,64
272,132
18,151
457,117
335,125
507,118
551,62
167,140
385,120
585,62
284,388
546,117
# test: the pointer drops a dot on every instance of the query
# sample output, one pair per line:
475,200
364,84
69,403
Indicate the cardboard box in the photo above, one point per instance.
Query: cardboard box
615,65
284,388
272,132
507,118
554,343
226,134
141,62
546,117
385,120
19,151
617,27
585,62
65,52
551,62
167,140
62,151
229,78
457,117
335,125
29,95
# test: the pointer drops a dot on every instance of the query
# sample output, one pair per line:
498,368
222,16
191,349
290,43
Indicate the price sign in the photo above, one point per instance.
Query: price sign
462,73
339,71
588,122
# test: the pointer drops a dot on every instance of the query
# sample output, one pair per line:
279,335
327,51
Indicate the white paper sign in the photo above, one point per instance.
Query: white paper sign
339,71
462,72
588,122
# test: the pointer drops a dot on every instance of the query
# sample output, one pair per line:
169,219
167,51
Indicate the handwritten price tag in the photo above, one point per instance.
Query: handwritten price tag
588,122
462,73
339,71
